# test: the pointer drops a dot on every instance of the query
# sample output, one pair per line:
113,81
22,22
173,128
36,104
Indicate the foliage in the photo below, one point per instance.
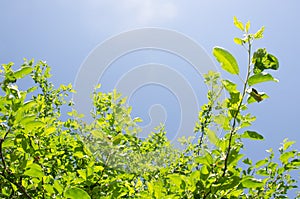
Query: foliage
45,156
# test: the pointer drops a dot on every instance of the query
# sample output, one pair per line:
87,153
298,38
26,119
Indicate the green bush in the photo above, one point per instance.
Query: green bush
44,156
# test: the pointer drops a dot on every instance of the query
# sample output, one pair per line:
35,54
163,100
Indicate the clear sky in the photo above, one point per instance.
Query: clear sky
64,32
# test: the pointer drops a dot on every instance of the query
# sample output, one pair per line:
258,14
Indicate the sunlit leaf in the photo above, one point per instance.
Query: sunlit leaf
287,144
75,193
238,23
34,170
284,158
227,61
260,77
251,182
247,26
23,72
260,33
238,41
229,86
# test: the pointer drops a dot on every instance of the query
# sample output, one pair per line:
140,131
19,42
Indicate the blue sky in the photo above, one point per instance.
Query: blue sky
64,33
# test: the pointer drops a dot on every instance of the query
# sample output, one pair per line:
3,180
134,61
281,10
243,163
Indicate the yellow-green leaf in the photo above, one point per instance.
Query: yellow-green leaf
34,170
252,183
238,23
227,61
260,33
238,41
23,72
260,77
75,193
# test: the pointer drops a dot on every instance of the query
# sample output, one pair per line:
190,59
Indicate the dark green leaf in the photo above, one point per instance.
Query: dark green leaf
234,97
252,135
263,60
247,161
227,61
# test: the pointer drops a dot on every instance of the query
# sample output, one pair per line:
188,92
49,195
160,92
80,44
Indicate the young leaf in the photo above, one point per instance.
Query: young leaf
284,158
259,78
23,72
287,144
238,23
252,135
227,61
74,193
247,26
238,41
229,86
260,33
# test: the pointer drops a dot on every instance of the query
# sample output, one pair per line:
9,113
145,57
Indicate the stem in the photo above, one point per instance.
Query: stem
232,131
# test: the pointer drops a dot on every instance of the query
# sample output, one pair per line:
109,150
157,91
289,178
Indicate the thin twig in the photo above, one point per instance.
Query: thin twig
232,131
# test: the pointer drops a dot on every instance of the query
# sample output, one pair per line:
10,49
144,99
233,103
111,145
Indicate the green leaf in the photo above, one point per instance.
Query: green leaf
23,72
252,99
58,187
263,60
247,26
207,159
34,124
252,183
238,23
260,33
261,163
287,144
213,138
259,78
175,180
252,135
34,170
223,121
229,86
247,161
255,96
238,41
227,61
235,97
284,158
75,193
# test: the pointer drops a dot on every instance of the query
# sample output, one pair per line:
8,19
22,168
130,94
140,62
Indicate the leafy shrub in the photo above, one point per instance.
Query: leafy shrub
44,156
